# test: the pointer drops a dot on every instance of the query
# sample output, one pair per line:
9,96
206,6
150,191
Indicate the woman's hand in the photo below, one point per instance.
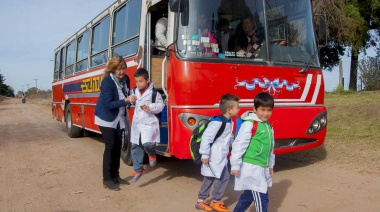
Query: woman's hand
130,99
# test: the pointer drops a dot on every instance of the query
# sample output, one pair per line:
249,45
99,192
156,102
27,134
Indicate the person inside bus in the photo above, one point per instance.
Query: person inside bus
110,116
203,30
252,37
161,34
225,34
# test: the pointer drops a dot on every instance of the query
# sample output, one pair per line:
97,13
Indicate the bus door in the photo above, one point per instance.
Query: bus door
154,61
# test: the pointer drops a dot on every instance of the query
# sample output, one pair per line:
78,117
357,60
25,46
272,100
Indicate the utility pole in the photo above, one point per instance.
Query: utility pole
341,79
36,83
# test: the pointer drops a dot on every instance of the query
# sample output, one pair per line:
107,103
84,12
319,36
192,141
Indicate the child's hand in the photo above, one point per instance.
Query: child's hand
145,108
235,173
205,161
271,172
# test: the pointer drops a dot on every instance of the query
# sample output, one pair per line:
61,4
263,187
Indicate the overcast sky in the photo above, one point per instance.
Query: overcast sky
30,30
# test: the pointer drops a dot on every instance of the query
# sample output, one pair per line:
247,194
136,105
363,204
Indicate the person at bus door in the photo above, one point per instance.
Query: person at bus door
110,116
252,157
253,38
145,130
226,33
214,155
161,34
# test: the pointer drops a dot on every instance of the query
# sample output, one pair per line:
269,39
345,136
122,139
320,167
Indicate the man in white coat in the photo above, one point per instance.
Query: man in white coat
145,129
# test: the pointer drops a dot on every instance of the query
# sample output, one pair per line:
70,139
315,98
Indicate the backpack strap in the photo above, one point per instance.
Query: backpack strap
134,90
154,95
221,129
254,127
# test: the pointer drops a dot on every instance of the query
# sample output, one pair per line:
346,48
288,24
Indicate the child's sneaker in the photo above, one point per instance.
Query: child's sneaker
152,160
219,206
202,206
136,175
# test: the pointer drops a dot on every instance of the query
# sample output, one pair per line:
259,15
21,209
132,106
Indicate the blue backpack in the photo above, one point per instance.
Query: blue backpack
239,122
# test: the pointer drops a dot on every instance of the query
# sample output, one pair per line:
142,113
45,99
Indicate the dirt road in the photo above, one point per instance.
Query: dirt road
41,169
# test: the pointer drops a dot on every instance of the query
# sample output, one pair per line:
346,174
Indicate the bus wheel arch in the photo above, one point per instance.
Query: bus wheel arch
72,131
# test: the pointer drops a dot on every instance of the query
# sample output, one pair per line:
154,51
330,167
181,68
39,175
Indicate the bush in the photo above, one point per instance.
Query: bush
370,73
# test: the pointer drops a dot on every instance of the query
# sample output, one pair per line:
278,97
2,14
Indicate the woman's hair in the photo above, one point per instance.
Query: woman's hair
114,64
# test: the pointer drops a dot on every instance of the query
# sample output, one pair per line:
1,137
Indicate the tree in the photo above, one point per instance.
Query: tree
370,73
5,90
348,23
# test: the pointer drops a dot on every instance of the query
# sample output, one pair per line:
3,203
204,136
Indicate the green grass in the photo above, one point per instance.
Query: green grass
353,133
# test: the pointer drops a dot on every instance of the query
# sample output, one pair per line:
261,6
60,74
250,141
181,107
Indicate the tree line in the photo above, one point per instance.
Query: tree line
349,24
5,90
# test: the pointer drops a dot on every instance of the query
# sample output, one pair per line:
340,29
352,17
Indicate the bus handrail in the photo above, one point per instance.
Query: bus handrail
163,76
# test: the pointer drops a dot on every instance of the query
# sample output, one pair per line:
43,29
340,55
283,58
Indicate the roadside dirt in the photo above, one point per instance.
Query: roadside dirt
41,169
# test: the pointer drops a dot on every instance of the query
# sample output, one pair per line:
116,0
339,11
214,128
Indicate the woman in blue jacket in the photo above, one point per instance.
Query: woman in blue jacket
110,116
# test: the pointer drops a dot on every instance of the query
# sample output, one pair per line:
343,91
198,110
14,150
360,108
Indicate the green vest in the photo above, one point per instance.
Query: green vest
260,146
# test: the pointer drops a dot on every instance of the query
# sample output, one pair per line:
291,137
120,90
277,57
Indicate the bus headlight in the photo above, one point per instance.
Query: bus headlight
192,120
323,120
316,124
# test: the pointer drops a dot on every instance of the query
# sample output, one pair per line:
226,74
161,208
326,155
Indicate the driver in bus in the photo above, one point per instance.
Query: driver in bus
252,36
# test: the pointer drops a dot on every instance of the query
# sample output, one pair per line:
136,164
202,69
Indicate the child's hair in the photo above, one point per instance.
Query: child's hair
114,64
142,72
263,99
227,101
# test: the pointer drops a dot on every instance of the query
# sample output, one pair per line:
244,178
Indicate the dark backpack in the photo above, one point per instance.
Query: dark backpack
196,138
154,96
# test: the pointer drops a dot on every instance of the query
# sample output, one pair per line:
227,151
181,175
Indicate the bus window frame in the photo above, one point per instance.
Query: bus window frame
128,40
76,52
74,62
92,38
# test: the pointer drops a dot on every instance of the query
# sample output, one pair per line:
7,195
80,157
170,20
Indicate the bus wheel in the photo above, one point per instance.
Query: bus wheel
126,147
72,131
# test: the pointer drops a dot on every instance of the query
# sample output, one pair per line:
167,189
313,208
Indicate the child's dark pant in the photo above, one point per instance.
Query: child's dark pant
261,201
138,153
220,185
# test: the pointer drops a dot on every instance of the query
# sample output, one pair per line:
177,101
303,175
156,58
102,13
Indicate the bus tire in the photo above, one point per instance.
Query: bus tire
72,131
126,154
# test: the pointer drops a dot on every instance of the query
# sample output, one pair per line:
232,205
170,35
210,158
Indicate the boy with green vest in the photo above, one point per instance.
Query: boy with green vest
252,157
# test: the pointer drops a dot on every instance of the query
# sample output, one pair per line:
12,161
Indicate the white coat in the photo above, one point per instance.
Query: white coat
252,177
145,123
217,155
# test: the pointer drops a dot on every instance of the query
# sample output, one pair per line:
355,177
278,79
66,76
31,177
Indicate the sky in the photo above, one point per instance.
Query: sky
30,30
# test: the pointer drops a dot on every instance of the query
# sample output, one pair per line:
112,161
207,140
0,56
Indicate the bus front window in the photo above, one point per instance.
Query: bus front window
290,32
237,29
223,29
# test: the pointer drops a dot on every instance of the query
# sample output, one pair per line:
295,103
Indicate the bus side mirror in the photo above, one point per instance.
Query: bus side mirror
321,29
181,6
174,5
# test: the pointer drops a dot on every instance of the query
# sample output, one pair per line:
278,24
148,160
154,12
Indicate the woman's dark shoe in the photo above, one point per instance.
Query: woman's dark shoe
119,181
110,185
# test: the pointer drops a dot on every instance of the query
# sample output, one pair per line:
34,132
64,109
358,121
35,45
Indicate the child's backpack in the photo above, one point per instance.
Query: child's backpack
239,122
154,96
196,138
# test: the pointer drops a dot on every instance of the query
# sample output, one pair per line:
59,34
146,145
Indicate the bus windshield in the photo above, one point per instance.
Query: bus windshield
279,31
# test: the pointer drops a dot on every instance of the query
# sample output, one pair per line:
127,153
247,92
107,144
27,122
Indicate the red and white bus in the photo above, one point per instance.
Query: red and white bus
197,69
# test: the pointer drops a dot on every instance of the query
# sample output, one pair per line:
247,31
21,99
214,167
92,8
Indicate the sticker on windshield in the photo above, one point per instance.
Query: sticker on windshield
230,54
194,37
205,39
195,43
